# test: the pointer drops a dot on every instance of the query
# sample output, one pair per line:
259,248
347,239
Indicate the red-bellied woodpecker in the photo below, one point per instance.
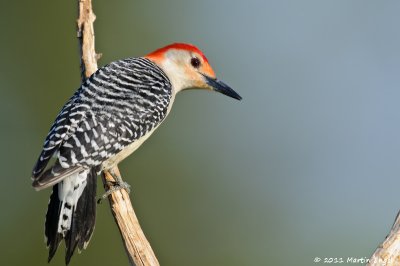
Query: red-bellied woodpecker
109,117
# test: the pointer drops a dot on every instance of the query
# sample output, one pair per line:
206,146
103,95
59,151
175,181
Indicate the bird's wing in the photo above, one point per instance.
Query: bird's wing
58,132
117,105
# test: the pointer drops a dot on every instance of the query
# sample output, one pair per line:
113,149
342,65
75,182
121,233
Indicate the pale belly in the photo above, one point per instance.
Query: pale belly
114,160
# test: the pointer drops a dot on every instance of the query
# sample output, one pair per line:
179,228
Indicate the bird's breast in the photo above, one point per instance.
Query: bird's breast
117,158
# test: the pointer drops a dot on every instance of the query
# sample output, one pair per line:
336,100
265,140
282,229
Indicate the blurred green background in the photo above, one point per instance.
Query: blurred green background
307,165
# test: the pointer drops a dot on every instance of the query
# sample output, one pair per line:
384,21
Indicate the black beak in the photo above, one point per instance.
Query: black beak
222,87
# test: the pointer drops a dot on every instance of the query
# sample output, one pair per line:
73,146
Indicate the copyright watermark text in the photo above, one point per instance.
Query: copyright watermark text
349,260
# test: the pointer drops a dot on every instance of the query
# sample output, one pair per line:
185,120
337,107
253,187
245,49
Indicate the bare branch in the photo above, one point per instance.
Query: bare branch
85,32
136,245
388,253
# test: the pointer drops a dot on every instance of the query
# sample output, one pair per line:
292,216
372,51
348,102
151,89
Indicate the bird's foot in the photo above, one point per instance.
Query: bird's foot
114,186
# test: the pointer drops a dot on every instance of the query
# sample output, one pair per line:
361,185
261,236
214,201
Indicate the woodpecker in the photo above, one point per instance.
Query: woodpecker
112,113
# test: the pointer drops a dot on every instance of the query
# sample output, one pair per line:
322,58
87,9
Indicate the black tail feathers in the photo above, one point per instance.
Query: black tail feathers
71,213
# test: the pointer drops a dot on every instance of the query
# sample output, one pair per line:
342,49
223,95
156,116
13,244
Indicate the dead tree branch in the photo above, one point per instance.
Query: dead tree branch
388,253
85,31
136,245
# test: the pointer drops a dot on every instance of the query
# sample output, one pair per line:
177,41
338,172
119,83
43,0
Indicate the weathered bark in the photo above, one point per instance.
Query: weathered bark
388,253
135,242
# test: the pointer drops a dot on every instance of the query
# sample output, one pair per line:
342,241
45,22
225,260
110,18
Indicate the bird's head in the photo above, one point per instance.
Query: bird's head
187,68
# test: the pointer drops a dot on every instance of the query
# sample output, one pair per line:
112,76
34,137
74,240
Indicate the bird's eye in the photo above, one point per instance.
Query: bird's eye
195,62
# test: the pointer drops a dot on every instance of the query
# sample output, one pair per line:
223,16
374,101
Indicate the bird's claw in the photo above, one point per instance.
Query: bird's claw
118,184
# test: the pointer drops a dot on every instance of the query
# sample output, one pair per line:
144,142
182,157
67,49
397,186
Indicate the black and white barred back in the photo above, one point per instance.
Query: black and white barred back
120,103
